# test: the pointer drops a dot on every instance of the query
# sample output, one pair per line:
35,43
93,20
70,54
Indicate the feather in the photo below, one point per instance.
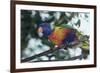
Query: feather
59,35
45,28
62,36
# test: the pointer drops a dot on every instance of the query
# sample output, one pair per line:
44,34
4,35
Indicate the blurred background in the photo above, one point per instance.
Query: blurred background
33,44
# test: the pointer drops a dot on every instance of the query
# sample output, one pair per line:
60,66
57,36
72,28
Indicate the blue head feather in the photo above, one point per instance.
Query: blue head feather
46,29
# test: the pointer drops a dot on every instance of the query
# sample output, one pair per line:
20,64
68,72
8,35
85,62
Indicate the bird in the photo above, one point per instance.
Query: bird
66,38
59,35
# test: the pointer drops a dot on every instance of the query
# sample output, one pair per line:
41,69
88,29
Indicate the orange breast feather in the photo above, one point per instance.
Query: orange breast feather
58,35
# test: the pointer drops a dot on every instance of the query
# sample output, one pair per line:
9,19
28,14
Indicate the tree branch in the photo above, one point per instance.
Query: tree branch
39,55
45,53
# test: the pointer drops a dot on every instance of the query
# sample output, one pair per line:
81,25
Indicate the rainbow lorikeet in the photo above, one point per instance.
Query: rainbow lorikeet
59,35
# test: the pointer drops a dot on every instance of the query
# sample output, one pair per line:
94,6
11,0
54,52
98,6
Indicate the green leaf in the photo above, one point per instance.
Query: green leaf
85,45
78,23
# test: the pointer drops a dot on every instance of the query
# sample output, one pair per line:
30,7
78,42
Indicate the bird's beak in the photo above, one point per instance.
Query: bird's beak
40,31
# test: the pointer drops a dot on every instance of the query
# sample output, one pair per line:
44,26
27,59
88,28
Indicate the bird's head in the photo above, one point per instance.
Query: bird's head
44,30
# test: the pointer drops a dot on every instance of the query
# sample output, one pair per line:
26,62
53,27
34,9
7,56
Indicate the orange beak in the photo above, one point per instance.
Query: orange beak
40,29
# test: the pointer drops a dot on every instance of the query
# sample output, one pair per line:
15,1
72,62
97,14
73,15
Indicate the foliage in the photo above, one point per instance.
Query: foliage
30,21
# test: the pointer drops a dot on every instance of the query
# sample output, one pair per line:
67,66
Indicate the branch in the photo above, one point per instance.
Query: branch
45,53
41,54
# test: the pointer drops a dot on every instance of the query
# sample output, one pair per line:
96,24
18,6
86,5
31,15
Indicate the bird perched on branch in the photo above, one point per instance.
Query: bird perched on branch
59,35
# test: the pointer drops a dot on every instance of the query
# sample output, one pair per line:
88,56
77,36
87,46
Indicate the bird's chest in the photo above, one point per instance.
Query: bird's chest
58,35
